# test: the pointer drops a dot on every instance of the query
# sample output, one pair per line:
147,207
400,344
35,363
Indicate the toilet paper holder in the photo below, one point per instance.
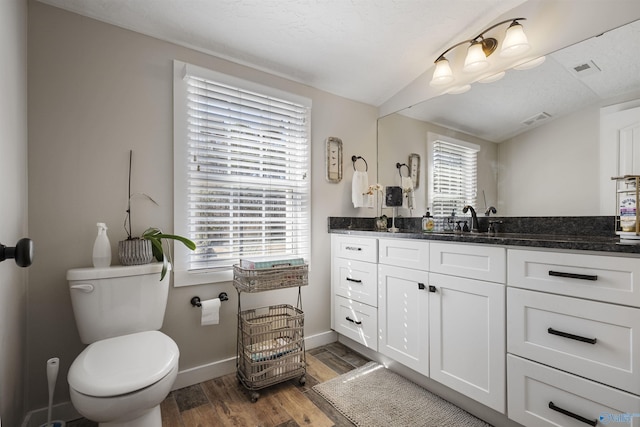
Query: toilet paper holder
195,301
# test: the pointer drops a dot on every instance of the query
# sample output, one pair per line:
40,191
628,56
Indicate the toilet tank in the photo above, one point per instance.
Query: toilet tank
119,300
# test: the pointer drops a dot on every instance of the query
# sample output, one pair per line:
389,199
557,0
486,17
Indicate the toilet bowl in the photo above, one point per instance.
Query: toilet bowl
121,381
129,366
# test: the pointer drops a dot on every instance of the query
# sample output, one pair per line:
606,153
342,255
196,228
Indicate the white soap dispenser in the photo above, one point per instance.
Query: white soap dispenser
102,248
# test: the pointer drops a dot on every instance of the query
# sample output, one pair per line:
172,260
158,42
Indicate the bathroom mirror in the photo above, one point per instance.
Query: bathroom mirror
538,128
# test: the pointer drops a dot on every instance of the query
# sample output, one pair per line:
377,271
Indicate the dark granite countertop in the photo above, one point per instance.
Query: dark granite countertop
599,242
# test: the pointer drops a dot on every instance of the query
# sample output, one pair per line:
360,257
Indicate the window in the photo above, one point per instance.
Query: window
454,174
241,172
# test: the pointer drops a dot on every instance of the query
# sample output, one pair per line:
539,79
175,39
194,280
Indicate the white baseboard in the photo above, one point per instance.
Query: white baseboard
65,411
219,368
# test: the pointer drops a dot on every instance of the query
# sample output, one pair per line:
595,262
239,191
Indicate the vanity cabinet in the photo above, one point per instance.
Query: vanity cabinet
354,283
450,327
573,338
403,302
549,337
440,308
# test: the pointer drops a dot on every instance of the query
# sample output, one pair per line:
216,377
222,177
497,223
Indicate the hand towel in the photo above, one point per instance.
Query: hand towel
359,188
409,199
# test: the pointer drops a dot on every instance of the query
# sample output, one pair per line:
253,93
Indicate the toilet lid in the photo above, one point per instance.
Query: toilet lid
125,364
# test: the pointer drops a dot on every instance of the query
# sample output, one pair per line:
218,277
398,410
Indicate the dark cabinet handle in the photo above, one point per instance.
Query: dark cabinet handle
353,248
573,275
421,286
354,280
357,322
432,288
571,336
572,415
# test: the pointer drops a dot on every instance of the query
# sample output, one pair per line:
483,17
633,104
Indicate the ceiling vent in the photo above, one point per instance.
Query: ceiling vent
536,119
585,69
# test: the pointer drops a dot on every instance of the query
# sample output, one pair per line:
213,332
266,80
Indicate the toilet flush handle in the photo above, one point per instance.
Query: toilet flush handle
85,287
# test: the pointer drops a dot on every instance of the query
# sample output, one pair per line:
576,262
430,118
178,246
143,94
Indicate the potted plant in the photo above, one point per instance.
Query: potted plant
143,249
155,236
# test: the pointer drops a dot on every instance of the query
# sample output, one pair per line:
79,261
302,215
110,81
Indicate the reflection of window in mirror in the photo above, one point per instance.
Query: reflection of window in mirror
454,174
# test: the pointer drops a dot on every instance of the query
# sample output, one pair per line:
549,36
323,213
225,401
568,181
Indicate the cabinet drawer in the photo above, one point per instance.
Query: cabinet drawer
596,340
472,261
597,277
356,280
357,248
356,321
404,253
533,388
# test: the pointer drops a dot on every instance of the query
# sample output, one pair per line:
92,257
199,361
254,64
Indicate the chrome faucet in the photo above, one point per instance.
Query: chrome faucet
474,218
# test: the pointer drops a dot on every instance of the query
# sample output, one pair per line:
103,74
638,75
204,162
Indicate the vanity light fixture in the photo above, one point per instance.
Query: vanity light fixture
480,48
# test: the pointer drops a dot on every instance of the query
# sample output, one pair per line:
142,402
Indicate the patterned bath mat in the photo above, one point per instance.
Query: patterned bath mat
372,396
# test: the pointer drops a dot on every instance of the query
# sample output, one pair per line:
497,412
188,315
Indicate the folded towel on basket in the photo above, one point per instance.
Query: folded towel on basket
359,190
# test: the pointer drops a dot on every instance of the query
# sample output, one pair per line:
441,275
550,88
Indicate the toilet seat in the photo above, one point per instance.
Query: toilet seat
124,364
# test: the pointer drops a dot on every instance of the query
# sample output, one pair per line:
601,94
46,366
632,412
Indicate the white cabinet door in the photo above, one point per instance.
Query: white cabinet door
467,332
403,310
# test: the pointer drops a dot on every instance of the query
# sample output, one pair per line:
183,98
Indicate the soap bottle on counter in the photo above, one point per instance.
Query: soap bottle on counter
427,222
102,248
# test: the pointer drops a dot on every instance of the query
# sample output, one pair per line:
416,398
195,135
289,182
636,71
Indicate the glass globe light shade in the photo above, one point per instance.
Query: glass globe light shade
476,60
442,75
515,41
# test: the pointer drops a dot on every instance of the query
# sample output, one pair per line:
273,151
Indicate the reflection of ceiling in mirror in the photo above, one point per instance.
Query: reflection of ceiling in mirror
496,111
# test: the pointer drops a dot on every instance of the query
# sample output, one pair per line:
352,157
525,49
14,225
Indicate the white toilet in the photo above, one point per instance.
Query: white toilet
129,367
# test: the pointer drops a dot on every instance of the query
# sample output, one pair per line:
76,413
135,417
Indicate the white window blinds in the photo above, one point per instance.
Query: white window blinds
246,172
454,177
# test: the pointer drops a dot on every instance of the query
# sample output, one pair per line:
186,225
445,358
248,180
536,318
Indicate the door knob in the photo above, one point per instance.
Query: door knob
22,252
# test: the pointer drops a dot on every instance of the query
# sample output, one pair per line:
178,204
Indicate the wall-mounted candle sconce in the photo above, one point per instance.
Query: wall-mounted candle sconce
22,252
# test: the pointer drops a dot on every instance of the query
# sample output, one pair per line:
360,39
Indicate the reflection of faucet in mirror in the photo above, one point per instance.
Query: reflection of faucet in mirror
490,210
474,217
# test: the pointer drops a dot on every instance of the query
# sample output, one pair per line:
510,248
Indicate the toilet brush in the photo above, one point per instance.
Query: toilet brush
52,376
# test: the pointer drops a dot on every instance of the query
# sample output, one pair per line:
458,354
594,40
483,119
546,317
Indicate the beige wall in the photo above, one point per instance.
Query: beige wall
13,202
96,91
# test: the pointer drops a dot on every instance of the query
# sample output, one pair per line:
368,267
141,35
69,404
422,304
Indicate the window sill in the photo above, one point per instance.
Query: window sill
186,278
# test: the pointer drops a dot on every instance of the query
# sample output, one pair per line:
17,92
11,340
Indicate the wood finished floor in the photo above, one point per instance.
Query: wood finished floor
224,402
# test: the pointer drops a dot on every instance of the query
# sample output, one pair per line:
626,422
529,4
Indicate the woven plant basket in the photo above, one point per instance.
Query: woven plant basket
135,252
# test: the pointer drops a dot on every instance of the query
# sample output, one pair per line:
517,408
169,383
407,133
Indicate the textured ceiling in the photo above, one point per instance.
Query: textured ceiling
496,111
365,50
